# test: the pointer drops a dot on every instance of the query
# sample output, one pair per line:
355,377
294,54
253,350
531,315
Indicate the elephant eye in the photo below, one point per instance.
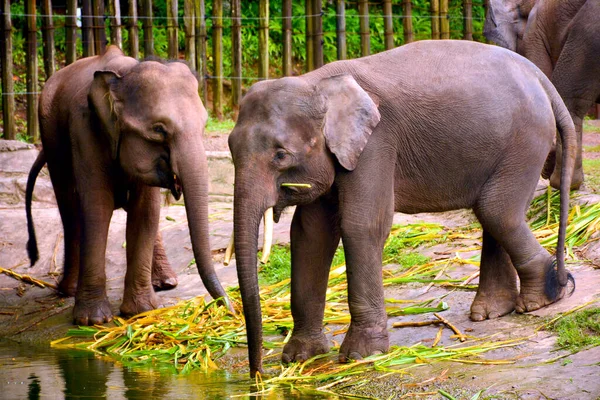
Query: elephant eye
159,129
280,155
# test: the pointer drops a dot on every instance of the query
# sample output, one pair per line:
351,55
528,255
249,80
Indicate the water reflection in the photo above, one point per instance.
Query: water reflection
44,373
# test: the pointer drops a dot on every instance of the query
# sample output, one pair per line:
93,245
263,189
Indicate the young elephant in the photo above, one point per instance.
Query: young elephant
113,131
430,126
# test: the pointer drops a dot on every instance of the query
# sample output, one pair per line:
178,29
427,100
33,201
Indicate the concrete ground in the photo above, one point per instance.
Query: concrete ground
34,315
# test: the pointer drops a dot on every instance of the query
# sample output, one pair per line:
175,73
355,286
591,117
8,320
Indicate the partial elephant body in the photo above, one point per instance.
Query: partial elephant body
113,131
428,127
563,39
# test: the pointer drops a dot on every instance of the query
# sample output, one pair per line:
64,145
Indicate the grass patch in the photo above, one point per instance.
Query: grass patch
579,330
592,149
215,126
591,169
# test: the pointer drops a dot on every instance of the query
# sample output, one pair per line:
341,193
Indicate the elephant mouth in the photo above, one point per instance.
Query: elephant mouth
176,187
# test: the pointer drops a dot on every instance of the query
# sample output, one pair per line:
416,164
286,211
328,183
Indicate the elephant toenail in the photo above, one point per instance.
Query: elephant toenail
476,317
301,357
355,356
285,358
376,353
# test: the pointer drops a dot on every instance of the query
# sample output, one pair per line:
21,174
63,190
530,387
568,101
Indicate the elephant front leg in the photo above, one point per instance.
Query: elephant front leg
497,293
364,231
314,239
163,276
142,225
91,303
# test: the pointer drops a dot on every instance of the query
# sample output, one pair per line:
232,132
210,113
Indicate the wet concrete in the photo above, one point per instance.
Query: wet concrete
32,315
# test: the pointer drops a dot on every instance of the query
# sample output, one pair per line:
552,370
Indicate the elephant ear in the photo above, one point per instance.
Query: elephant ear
102,101
350,118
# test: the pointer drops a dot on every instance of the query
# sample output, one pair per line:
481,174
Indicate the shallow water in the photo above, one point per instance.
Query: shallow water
43,373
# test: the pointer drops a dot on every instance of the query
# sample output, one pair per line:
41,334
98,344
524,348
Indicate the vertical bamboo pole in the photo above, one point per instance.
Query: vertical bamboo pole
87,35
468,12
287,37
444,21
435,19
173,47
310,65
71,32
263,39
147,27
133,30
8,97
99,28
190,41
201,66
236,44
48,38
365,36
407,21
217,38
340,29
32,71
114,10
388,24
318,32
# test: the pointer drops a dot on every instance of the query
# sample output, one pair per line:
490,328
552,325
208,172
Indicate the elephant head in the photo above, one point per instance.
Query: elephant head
506,22
291,138
152,120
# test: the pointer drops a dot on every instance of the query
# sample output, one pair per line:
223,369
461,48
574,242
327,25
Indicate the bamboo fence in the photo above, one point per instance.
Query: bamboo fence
100,22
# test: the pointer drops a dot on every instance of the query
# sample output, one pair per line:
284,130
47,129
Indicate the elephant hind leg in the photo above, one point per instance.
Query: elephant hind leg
501,211
68,205
163,276
497,293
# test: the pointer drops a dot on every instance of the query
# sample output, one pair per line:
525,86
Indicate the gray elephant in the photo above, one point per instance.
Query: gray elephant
563,39
431,126
113,131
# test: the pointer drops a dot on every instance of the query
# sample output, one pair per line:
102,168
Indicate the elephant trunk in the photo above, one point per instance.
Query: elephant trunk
247,213
192,169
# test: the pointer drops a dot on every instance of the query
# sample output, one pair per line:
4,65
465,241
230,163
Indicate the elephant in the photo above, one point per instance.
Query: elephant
114,131
563,39
430,126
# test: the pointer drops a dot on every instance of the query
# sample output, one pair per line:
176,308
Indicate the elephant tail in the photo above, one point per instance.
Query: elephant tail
568,139
32,249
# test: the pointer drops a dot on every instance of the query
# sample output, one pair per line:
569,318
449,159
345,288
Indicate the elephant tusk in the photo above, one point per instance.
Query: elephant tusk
229,251
267,235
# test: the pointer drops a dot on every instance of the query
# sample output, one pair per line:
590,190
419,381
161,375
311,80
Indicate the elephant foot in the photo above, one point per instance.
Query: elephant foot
362,342
302,347
576,180
493,305
139,303
163,276
92,312
542,289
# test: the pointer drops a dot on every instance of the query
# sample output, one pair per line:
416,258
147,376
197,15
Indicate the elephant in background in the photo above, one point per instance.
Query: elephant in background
114,130
563,39
427,127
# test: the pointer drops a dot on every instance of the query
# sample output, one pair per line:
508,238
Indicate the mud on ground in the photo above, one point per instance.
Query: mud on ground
33,315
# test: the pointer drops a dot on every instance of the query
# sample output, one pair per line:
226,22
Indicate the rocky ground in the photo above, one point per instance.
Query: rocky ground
33,315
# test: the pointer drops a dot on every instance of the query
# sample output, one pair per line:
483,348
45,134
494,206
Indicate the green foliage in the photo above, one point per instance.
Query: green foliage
213,125
579,330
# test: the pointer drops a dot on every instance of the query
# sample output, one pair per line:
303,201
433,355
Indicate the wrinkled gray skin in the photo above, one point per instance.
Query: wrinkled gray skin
113,131
563,39
430,126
